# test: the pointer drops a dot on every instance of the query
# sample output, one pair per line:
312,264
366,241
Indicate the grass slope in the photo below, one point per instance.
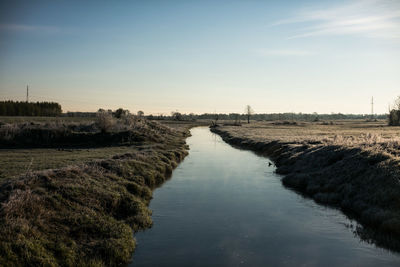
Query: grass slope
86,214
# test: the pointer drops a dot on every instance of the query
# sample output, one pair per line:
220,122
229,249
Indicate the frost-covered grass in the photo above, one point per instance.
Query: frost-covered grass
354,166
344,133
85,213
48,151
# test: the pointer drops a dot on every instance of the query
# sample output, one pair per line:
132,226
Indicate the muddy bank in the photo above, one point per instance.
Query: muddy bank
364,184
85,215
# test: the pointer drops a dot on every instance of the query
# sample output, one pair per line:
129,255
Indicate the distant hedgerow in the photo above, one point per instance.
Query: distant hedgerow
20,108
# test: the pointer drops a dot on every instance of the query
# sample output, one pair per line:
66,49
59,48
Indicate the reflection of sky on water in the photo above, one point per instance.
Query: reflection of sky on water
226,207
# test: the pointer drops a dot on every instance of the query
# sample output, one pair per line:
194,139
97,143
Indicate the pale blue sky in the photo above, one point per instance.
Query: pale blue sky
202,56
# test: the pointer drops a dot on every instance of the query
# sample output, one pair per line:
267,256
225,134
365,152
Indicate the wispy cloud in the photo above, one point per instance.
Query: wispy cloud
28,28
285,52
377,19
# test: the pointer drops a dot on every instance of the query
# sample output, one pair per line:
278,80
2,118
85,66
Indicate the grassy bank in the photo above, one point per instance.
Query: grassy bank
350,165
86,213
20,160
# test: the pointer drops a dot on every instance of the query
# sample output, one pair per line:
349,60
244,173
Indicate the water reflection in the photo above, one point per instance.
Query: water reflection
227,207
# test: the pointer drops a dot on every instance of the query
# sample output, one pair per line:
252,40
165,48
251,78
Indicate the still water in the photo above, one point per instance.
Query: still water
226,207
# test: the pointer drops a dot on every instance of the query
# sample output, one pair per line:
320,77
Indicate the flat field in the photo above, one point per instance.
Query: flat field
355,133
16,161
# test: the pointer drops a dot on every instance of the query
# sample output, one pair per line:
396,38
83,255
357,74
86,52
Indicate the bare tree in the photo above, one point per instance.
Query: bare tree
394,113
118,113
397,103
248,111
177,116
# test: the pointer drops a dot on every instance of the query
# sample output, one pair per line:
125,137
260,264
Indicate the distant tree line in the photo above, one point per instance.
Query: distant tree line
266,116
20,108
118,113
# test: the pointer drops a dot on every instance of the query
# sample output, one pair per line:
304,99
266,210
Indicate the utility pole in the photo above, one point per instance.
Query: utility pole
372,108
27,94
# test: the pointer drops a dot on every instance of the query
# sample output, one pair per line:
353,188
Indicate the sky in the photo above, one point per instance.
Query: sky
202,56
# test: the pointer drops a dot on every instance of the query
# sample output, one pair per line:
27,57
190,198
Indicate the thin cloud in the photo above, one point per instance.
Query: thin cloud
285,53
375,19
28,28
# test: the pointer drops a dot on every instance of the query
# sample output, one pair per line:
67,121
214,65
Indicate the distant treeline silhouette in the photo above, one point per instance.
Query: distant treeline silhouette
269,116
20,108
118,113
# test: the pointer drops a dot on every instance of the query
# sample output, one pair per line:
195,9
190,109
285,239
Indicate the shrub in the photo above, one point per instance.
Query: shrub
394,117
105,121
